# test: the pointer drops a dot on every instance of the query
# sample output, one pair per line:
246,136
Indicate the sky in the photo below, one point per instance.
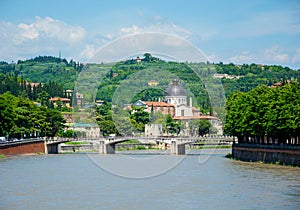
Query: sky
237,31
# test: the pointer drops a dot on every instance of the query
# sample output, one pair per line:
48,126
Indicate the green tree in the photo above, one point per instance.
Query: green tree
139,118
6,114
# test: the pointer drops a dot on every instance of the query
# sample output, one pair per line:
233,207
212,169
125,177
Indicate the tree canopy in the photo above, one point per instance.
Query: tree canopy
21,118
265,115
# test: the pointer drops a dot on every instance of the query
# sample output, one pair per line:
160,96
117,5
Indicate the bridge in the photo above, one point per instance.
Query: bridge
177,144
108,145
33,145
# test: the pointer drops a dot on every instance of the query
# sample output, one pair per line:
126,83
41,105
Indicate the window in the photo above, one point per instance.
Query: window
182,112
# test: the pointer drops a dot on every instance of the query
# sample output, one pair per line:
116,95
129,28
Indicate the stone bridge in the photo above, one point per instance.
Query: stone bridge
177,144
108,145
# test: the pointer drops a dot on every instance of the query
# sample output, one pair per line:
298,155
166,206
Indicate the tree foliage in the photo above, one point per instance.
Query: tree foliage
265,115
21,118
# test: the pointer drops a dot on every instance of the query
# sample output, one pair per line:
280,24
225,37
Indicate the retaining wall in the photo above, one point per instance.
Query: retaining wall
285,155
17,148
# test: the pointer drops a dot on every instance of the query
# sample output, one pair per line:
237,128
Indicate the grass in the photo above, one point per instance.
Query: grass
2,156
75,143
141,147
133,141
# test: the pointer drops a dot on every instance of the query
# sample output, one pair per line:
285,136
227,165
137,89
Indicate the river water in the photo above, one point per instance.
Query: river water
76,181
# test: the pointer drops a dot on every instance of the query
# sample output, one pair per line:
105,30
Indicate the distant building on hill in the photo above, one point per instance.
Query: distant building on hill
64,101
152,83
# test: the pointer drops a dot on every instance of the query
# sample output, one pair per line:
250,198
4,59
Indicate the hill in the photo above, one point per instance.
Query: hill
44,69
139,72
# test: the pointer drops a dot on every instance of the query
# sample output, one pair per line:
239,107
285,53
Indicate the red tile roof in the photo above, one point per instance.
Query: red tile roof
202,117
158,104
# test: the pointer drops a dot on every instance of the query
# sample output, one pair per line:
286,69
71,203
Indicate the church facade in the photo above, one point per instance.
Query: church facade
180,108
176,96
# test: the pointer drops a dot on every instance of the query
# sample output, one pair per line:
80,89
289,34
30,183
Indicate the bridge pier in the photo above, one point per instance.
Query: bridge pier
102,149
110,149
107,148
177,149
51,149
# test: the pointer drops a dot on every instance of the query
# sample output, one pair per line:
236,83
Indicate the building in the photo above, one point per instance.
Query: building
152,83
164,107
79,99
153,130
176,96
88,130
176,104
64,101
69,93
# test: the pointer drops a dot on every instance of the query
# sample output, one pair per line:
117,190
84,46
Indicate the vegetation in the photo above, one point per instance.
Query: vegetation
54,75
265,115
133,141
44,69
21,118
75,143
229,155
2,156
36,92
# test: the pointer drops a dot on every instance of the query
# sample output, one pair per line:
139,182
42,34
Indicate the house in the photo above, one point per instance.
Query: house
153,130
64,101
152,83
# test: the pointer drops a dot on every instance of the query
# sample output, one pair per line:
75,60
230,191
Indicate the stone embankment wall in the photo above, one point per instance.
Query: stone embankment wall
18,148
285,155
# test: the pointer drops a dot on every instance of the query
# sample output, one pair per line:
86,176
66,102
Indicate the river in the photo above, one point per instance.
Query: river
76,181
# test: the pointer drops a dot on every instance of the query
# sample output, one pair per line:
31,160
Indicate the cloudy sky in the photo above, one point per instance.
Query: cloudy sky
257,31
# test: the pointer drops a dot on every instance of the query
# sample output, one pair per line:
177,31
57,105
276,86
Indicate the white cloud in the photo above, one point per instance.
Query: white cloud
88,52
50,28
133,29
275,54
43,36
244,57
28,31
161,26
296,56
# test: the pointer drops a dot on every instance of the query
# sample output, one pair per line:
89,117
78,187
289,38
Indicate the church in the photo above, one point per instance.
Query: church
179,107
176,96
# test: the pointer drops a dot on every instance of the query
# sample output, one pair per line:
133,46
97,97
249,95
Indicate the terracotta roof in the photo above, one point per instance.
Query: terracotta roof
59,99
206,117
203,117
158,104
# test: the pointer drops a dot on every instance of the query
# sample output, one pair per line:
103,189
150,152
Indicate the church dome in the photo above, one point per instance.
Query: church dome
175,89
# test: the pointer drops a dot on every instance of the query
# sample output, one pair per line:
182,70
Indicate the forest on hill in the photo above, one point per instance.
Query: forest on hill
45,69
125,82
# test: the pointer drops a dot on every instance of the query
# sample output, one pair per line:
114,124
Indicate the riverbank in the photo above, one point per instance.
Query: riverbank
277,154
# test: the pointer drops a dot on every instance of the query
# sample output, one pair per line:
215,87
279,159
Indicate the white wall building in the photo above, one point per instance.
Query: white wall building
176,95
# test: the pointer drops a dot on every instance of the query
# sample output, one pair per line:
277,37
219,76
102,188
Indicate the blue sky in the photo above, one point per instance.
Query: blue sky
258,31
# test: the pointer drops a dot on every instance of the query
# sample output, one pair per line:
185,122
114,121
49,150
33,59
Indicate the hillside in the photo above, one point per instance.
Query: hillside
44,69
136,74
192,76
